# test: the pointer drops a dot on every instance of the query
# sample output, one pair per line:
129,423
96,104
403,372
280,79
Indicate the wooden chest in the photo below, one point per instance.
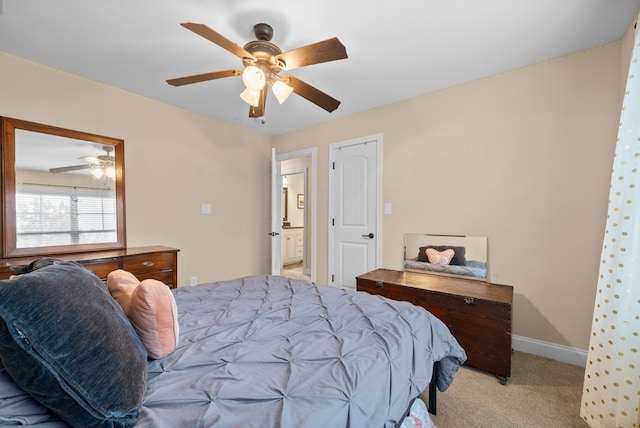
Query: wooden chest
477,313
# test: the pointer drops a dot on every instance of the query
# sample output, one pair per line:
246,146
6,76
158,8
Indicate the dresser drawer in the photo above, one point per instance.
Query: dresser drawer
164,276
160,266
102,268
148,263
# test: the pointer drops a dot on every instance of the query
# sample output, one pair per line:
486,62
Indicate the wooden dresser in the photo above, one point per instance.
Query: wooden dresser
155,262
477,313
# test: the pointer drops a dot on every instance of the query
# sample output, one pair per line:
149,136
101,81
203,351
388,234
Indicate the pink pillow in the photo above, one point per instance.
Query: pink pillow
151,309
440,257
121,285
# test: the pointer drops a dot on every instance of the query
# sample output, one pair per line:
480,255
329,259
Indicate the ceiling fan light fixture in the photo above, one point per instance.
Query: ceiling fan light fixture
97,172
253,78
262,61
251,97
281,90
110,172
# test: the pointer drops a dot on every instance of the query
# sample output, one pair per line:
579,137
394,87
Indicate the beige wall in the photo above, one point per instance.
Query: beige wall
523,158
174,162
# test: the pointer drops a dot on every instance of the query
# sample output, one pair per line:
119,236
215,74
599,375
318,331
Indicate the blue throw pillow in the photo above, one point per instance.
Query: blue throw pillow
67,342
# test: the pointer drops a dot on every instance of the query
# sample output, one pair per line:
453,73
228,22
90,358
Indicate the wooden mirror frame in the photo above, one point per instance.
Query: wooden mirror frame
8,152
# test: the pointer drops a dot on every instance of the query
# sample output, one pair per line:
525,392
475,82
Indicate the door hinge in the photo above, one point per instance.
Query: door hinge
333,165
333,279
333,222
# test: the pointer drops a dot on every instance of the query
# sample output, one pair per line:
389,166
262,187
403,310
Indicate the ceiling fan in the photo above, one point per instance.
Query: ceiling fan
100,165
263,61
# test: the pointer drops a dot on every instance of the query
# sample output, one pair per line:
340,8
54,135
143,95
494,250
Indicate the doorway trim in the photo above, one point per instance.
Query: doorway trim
312,187
374,138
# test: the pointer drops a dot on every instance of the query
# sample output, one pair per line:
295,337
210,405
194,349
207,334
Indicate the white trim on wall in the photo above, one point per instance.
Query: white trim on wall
564,354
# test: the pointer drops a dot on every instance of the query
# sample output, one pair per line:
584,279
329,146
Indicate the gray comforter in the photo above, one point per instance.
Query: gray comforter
472,268
266,351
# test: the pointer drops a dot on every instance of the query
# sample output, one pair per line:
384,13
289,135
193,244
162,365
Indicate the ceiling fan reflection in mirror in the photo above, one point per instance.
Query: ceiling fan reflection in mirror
263,61
101,165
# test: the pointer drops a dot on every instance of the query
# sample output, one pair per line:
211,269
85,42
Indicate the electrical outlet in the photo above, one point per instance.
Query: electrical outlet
194,280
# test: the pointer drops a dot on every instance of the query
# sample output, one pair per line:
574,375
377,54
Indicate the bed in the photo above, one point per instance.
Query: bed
256,351
457,255
472,268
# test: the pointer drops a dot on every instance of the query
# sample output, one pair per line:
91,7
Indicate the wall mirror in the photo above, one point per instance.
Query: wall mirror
285,204
62,190
452,255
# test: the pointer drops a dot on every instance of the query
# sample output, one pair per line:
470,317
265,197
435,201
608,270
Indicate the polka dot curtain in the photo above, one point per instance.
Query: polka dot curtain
611,392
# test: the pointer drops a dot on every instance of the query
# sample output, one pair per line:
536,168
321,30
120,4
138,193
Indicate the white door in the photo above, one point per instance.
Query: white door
355,177
276,215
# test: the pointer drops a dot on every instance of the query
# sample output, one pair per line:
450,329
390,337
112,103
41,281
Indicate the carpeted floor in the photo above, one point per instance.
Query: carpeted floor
539,393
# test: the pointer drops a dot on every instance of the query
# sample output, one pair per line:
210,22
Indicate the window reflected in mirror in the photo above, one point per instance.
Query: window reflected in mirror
62,190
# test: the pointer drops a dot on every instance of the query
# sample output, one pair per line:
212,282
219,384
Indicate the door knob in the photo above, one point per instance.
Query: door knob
370,236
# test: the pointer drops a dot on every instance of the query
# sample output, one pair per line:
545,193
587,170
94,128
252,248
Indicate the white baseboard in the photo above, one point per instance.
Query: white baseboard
564,354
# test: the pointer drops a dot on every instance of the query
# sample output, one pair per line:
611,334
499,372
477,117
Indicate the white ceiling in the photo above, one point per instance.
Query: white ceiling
397,49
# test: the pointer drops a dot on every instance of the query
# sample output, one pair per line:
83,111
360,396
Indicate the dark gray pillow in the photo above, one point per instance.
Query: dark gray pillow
38,263
68,343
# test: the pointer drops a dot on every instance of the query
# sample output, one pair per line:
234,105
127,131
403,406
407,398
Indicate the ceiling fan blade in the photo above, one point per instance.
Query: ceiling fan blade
70,168
312,94
218,39
179,81
259,110
325,51
91,159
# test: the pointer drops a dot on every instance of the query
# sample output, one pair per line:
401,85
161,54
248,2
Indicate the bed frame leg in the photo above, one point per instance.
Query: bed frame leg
431,405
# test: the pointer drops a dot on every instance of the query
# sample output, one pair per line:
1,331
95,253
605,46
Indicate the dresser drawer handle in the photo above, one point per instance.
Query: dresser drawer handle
469,300
379,284
147,264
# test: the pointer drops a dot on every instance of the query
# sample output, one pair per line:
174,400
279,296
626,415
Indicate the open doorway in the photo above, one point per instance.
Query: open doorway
297,172
294,221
